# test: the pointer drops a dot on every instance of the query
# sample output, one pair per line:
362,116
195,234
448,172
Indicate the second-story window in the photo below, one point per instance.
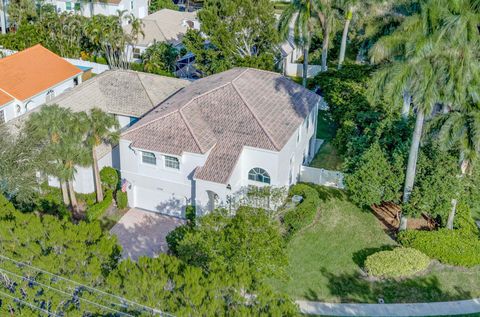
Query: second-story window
172,162
149,158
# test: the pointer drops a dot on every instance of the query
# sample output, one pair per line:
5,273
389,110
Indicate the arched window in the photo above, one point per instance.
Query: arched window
50,95
259,175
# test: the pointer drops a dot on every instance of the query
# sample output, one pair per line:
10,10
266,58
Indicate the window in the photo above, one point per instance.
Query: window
2,116
259,175
78,6
172,162
75,81
68,5
131,5
149,158
136,53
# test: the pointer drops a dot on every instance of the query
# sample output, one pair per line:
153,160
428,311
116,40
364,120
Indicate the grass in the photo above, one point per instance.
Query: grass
325,262
327,157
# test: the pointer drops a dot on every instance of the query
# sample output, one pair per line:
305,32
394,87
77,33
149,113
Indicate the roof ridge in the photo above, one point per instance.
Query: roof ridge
161,31
136,127
256,118
22,51
7,93
145,90
191,131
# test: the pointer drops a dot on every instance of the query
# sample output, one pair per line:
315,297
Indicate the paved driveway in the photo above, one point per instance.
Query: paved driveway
142,232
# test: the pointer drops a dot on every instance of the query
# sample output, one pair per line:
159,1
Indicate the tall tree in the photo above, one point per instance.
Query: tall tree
102,128
301,16
244,31
327,16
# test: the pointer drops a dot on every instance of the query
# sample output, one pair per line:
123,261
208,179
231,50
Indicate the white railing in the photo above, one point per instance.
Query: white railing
322,176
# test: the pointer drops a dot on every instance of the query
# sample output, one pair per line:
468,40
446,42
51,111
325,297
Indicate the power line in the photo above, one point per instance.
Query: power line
121,299
16,299
65,293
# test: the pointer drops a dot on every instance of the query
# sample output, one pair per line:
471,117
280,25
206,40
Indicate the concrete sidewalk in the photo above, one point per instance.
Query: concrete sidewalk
377,310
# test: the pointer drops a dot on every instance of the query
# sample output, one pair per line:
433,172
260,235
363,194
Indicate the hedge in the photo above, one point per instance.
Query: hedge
453,247
122,200
399,262
109,177
95,211
301,216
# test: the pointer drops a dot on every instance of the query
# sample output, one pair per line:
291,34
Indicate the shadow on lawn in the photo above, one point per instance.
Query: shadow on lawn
328,193
356,288
360,256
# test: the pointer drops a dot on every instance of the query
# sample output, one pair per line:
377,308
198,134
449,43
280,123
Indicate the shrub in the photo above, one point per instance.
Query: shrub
5,205
453,247
399,262
304,213
96,210
122,200
190,214
109,178
175,236
464,221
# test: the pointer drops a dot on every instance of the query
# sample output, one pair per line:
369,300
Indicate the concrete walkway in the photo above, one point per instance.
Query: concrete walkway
143,233
376,310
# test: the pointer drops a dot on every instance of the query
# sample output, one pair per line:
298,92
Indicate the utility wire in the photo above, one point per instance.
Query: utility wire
65,293
28,304
122,299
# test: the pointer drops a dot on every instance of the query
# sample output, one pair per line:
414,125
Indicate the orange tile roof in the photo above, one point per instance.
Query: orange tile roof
31,71
4,98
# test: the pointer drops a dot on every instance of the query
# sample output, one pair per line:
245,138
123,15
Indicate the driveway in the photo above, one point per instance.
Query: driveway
142,232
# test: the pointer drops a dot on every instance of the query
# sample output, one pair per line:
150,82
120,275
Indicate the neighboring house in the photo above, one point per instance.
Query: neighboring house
126,94
215,137
164,25
31,78
3,16
139,8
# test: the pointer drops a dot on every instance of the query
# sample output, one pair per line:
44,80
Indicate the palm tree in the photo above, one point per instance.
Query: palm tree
102,129
327,17
300,15
349,7
46,127
426,57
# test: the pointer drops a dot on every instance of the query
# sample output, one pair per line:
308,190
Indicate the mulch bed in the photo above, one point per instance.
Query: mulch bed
389,216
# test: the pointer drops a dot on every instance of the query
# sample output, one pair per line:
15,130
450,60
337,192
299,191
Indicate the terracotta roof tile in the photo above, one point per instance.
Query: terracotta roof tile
33,70
222,114
4,98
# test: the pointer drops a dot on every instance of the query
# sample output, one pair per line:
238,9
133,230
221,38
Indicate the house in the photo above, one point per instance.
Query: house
216,136
3,16
139,8
164,25
32,77
127,95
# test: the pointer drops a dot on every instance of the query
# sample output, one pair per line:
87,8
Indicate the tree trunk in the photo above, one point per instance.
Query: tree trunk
4,17
451,215
96,177
413,156
73,198
326,40
66,199
343,45
407,99
91,8
305,66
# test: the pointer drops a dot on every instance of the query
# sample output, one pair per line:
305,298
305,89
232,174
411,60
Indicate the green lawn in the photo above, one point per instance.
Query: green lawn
325,262
327,157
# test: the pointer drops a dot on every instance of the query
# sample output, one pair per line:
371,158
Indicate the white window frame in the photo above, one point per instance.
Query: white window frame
260,171
171,162
153,158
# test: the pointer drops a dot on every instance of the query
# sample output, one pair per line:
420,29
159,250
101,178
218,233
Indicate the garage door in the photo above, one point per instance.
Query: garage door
159,201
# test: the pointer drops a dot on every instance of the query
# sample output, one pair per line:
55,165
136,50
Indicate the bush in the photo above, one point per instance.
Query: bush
5,205
304,213
190,214
464,221
95,211
175,236
453,247
399,262
109,178
122,200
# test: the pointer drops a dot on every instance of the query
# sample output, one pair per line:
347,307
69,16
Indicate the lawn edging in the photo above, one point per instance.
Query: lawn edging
462,307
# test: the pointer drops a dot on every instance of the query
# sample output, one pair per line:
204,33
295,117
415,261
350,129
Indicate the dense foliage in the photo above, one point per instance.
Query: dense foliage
86,254
122,200
304,213
399,262
160,58
95,211
240,33
156,5
109,178
460,246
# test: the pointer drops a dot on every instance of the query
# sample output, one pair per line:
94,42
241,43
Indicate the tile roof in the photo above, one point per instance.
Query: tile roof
4,98
222,114
120,92
164,25
32,71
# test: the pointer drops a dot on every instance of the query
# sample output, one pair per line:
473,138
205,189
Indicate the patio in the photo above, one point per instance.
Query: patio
143,233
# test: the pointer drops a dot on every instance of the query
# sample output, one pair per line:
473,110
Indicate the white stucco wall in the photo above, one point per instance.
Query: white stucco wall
139,8
161,189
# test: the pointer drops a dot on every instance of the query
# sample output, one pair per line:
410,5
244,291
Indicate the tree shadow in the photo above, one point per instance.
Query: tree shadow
353,287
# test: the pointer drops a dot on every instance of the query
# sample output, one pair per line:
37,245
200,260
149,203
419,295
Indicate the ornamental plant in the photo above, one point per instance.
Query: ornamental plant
399,262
